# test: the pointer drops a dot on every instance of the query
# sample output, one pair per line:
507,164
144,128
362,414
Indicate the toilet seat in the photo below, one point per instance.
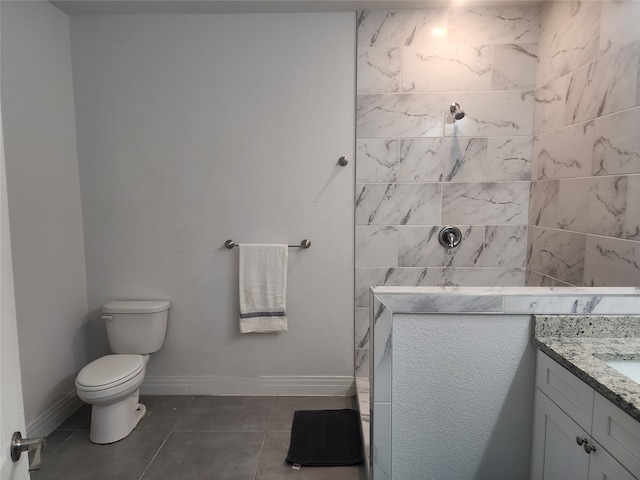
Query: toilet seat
110,375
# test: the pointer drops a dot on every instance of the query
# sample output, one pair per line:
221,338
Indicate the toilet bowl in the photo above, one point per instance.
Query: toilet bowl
111,384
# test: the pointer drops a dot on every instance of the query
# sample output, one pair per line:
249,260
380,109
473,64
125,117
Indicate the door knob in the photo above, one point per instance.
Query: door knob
19,445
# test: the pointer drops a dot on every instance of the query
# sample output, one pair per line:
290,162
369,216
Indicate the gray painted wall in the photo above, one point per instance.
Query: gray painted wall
193,129
468,414
44,205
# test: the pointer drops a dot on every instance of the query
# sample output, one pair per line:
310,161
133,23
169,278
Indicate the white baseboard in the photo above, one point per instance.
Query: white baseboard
268,385
57,413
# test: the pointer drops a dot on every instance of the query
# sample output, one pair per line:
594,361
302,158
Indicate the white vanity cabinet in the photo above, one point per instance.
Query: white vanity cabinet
570,421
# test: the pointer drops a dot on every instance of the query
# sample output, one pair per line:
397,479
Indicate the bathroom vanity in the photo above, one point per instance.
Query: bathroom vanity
453,382
587,413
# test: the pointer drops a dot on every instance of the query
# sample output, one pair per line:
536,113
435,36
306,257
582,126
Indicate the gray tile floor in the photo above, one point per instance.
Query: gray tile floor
187,437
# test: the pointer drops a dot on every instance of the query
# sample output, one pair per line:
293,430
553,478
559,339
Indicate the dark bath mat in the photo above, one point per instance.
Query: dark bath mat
325,438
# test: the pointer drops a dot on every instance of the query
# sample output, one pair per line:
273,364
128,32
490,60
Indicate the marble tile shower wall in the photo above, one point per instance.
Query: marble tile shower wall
585,196
416,172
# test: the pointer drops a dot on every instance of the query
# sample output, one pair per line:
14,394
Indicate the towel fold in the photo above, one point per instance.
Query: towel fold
263,288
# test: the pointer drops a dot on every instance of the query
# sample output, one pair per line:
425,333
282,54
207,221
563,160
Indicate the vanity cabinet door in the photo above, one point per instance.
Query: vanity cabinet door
556,454
603,466
618,433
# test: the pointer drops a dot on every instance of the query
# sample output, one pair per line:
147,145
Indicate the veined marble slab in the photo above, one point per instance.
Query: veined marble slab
377,160
549,108
570,40
604,86
510,300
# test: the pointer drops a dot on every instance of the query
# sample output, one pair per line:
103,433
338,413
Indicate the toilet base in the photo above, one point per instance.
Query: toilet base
113,422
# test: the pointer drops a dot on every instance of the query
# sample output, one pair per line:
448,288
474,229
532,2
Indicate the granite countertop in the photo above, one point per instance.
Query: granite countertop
582,343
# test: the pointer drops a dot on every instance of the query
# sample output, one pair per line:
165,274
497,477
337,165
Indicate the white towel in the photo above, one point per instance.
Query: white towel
263,288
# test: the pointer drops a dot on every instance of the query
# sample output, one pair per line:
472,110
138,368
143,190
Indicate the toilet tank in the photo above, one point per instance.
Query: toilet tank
136,326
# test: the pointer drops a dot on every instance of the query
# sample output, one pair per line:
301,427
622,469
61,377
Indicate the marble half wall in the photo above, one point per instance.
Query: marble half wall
584,207
417,170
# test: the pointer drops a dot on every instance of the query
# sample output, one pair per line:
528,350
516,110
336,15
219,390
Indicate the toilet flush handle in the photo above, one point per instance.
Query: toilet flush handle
107,318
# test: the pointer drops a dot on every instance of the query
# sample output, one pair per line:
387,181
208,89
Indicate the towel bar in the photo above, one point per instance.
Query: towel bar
303,244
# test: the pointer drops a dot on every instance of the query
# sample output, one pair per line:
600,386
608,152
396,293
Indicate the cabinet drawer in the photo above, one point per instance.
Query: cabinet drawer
618,433
570,393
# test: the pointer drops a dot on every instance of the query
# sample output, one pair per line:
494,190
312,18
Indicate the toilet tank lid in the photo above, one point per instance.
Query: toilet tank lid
136,306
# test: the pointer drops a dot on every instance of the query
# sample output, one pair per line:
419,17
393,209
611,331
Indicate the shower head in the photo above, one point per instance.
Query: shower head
456,111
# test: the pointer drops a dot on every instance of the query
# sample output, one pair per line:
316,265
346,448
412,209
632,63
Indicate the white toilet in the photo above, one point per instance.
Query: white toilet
111,384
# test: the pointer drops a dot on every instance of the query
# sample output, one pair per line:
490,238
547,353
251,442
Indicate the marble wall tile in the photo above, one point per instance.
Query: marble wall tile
396,115
419,247
493,114
505,246
398,204
550,105
638,83
362,332
509,158
361,362
377,160
617,143
446,68
544,204
444,302
382,353
535,279
554,15
564,153
572,43
593,205
611,262
376,246
580,304
556,253
618,24
380,444
632,215
465,159
421,159
509,24
604,86
379,70
514,66
388,28
376,277
485,203
483,277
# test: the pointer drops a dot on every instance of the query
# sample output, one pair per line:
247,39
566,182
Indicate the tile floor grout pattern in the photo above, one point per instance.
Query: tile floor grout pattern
193,437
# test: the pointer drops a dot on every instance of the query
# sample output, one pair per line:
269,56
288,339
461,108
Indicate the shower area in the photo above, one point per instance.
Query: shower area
514,124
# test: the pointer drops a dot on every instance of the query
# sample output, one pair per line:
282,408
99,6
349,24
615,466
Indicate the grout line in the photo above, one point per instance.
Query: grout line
154,457
173,428
264,438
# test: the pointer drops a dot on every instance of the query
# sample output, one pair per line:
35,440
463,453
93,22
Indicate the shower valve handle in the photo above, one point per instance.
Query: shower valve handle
450,237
